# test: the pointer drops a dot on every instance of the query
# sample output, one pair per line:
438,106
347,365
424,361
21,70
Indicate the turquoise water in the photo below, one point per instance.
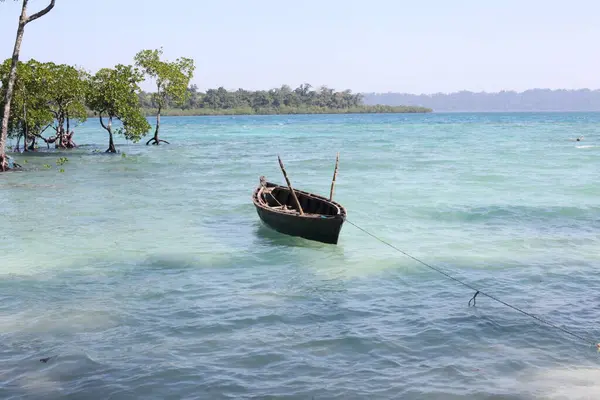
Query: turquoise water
149,275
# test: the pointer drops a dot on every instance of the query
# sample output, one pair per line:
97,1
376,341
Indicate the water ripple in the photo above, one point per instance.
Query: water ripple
150,276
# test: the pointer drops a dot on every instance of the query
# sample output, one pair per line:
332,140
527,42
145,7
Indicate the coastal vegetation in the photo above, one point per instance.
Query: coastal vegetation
49,97
8,88
172,80
54,96
282,100
112,94
39,97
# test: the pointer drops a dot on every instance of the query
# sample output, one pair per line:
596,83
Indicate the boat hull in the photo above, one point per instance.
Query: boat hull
320,228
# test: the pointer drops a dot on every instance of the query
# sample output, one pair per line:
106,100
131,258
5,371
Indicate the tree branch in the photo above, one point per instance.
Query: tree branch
41,13
44,130
102,122
37,135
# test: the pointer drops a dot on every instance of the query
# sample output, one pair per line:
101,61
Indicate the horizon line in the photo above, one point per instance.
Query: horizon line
486,92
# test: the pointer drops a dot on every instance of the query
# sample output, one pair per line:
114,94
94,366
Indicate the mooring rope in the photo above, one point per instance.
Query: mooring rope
477,291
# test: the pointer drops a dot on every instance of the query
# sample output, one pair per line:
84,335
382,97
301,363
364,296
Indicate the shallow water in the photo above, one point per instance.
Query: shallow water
147,274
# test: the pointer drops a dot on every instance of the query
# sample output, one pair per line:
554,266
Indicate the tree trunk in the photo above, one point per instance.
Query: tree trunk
157,127
70,143
25,127
39,135
111,143
155,139
23,20
33,143
61,131
12,76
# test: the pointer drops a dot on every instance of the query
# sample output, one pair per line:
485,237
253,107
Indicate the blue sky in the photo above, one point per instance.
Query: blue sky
378,45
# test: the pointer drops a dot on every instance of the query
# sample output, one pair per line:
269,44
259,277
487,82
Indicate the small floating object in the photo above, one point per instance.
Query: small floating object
299,213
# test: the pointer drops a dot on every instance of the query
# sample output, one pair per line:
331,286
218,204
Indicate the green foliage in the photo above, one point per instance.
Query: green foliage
291,110
113,93
45,94
283,100
29,106
62,161
172,78
67,87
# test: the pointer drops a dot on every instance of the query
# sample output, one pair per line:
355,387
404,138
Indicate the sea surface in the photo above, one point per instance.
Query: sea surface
148,275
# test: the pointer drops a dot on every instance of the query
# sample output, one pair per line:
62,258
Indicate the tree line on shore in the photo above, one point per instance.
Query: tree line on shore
282,100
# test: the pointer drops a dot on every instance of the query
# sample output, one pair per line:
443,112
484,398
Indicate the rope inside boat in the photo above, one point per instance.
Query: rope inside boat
267,191
477,291
275,198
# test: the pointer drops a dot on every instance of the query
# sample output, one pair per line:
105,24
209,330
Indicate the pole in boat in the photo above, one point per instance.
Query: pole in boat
337,161
290,187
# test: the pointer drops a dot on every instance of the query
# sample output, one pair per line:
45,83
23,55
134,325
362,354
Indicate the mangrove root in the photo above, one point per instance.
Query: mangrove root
155,141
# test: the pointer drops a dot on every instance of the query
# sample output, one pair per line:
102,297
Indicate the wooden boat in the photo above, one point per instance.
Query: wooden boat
299,213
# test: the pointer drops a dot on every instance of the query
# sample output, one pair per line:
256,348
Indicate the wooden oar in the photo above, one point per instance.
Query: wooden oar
337,161
290,187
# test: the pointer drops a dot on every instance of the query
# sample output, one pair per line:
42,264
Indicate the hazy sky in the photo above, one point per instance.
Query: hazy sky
377,45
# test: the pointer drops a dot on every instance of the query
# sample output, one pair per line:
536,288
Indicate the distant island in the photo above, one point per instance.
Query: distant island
283,100
505,101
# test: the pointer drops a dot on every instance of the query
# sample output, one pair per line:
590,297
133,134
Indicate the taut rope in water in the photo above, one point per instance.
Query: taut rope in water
477,291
